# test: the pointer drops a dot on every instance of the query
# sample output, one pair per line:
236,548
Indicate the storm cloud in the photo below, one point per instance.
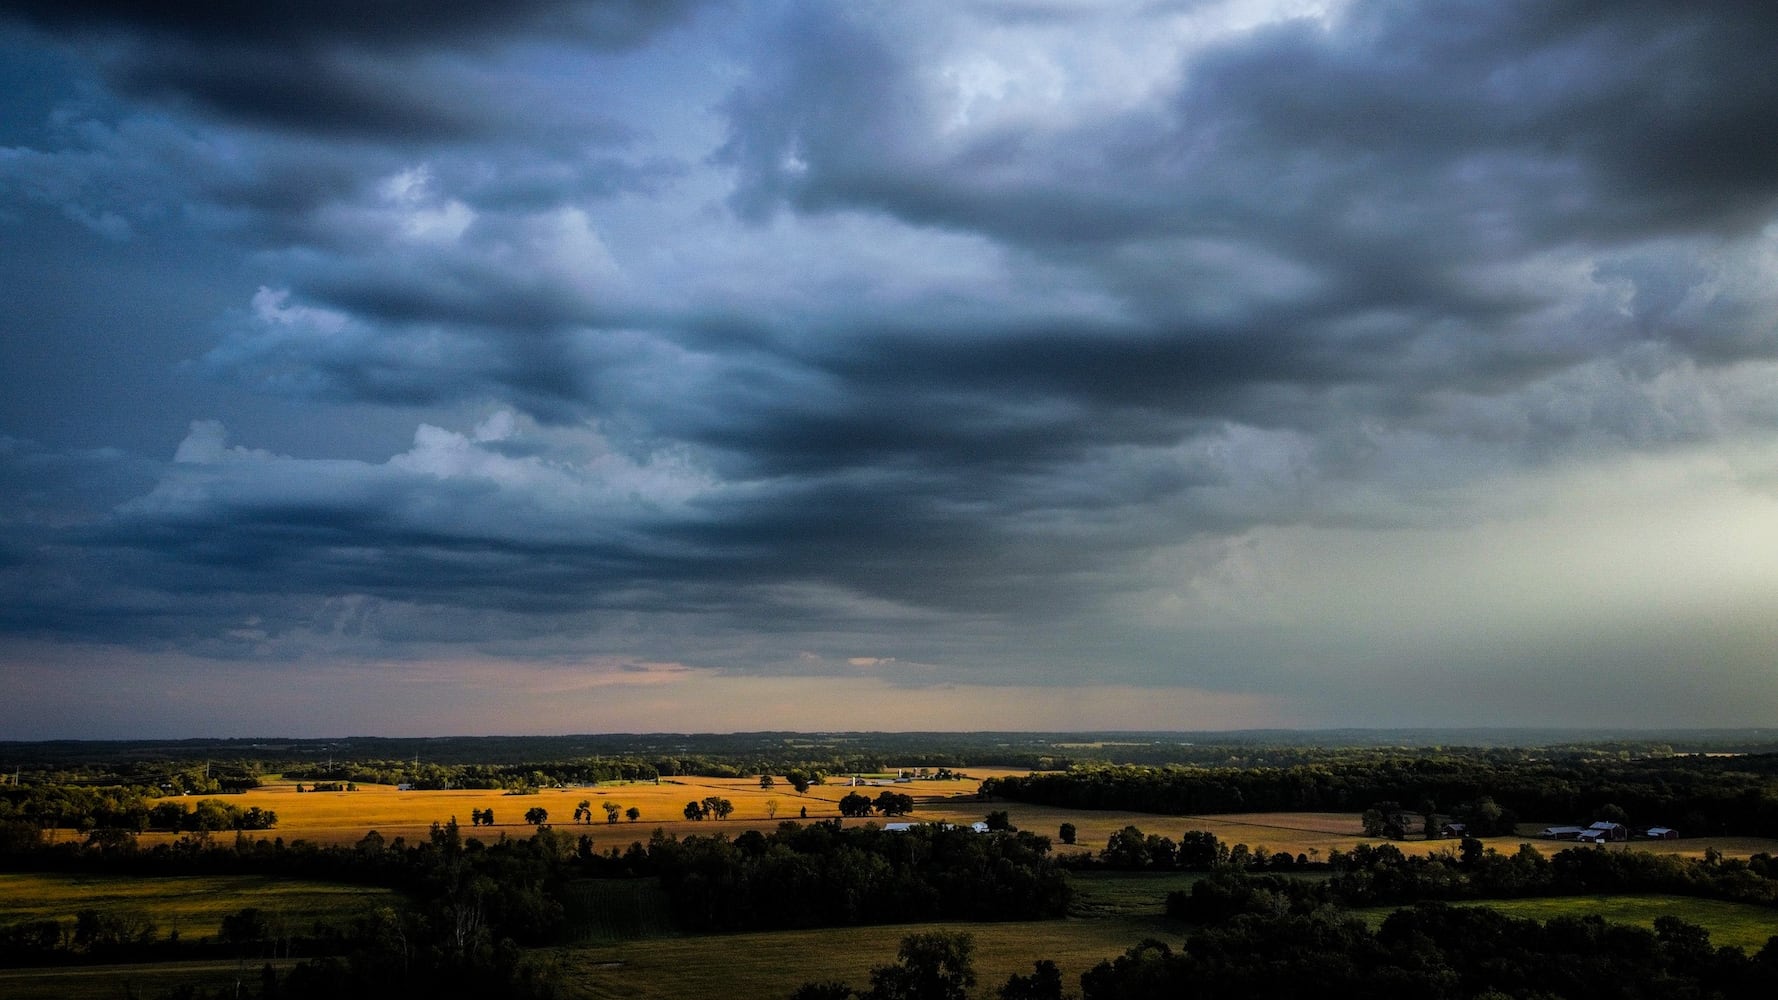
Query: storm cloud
1325,363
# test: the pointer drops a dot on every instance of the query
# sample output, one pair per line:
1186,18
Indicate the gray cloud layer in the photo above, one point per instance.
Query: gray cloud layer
1002,339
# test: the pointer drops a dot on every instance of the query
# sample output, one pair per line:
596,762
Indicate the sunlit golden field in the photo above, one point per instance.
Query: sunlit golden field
344,817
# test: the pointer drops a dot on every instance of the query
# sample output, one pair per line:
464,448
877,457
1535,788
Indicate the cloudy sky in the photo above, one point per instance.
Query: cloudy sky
461,367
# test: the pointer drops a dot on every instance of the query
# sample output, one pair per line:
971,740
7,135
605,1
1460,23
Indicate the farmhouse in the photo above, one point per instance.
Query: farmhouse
1454,830
1561,832
1661,833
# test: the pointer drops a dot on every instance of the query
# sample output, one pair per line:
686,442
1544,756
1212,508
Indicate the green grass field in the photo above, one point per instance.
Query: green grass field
192,905
628,949
770,965
110,982
1125,894
1734,924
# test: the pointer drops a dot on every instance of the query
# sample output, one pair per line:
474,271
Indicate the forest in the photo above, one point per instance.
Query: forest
1701,794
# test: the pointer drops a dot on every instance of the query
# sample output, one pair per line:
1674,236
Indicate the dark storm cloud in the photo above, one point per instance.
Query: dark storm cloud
938,326
1377,165
387,26
1609,120
347,69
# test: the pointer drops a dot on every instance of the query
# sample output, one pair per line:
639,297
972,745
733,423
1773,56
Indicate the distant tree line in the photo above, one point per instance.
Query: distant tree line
124,809
1696,794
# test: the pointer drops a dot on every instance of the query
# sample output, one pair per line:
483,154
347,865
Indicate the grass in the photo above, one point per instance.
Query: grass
109,982
1125,894
192,905
1739,925
769,965
607,910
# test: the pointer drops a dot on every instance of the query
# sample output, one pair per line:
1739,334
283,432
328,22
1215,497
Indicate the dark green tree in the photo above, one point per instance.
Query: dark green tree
1044,983
894,804
935,965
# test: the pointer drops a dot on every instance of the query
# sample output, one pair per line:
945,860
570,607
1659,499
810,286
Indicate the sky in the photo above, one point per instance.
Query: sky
452,367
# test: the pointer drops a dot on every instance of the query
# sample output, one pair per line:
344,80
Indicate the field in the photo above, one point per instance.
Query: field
1735,924
772,964
344,817
1124,909
1111,912
627,946
109,982
192,905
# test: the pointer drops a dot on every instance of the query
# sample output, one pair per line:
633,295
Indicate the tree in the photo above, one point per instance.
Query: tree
583,813
1385,819
1067,833
855,804
633,813
1044,983
1126,848
1470,851
722,808
766,782
246,927
894,804
771,808
488,816
537,816
1000,821
936,965
1200,850
1372,822
798,780
1485,818
612,811
694,810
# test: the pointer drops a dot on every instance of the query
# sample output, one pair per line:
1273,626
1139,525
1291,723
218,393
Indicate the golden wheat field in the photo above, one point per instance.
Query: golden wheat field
345,817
